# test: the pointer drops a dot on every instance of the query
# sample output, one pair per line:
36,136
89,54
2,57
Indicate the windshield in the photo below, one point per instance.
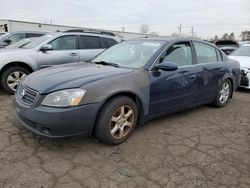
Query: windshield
242,51
37,42
130,54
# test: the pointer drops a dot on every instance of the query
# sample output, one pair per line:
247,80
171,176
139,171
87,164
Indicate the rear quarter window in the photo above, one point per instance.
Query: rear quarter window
110,42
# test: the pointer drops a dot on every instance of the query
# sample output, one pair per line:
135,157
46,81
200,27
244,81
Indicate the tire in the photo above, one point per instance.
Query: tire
223,95
111,119
17,74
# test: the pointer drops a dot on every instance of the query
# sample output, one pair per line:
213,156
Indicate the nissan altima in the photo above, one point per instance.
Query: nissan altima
126,85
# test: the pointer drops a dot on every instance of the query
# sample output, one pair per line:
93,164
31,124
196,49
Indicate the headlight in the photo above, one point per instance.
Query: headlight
64,98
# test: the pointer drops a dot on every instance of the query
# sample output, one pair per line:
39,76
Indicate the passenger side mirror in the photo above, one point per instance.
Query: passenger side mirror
8,41
46,47
167,66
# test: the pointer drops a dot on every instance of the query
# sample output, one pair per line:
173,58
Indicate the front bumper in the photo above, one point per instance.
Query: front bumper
245,78
57,122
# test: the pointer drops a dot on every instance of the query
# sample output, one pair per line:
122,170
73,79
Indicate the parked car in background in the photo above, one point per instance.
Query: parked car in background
11,38
129,83
242,55
49,50
227,46
20,43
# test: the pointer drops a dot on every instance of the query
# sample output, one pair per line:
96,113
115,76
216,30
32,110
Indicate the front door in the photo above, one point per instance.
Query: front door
64,50
173,90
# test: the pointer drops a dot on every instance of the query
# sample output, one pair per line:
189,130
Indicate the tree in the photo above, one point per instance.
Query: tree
225,36
216,37
231,36
144,28
245,35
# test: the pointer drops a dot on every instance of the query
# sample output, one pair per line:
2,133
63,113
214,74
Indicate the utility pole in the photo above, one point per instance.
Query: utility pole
123,29
192,31
179,28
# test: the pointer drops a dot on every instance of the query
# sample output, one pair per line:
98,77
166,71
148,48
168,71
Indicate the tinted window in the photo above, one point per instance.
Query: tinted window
30,35
16,37
64,43
110,42
89,42
205,53
180,54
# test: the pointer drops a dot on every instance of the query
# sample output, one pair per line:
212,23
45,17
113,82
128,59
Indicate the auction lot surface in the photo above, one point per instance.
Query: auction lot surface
204,147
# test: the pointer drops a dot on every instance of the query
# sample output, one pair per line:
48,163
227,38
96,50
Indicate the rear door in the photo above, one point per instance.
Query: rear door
211,69
90,46
174,90
64,51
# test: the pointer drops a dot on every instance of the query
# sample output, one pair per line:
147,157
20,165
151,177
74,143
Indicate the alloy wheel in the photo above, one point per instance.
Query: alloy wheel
122,121
224,92
14,79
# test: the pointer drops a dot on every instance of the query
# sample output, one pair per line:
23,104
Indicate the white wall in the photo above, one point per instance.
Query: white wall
30,26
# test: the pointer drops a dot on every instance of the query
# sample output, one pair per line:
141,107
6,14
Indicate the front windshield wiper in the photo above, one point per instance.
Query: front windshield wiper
106,63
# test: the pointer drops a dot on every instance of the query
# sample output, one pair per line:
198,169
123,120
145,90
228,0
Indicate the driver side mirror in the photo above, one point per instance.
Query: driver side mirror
46,47
8,41
167,66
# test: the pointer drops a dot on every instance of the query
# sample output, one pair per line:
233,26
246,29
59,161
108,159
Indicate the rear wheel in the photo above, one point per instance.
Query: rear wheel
116,121
224,94
11,77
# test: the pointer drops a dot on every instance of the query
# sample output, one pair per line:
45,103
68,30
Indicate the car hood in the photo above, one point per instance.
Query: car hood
243,60
70,76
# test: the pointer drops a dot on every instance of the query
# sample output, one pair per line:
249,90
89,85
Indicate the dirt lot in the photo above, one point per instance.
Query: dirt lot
204,147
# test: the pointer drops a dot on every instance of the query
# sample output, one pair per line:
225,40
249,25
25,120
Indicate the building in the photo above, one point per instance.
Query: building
14,25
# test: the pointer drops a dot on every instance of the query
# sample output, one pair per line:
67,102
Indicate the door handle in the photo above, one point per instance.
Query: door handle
73,54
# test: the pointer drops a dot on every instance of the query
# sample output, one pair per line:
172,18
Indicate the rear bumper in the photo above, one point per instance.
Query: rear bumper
57,122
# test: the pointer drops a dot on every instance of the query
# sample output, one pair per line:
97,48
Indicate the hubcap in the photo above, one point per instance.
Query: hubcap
224,93
122,122
14,79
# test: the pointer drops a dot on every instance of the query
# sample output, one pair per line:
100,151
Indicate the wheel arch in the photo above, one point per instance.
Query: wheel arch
130,95
16,63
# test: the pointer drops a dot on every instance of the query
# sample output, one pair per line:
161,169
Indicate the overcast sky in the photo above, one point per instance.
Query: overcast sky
209,17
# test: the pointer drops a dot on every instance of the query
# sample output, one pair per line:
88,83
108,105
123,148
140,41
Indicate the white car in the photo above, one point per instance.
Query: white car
242,55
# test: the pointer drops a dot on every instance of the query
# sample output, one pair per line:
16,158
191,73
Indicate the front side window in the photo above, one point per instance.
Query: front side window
64,43
89,42
205,53
16,37
179,53
130,54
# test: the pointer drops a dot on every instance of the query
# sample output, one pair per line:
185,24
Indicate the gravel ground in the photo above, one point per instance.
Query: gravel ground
203,147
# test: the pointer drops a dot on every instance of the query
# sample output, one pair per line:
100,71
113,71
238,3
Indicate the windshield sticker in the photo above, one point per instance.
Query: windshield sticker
154,44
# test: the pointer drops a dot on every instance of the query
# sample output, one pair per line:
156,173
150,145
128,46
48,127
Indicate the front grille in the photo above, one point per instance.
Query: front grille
244,79
26,95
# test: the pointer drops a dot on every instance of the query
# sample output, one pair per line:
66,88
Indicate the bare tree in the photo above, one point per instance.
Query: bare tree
225,36
245,35
144,28
231,36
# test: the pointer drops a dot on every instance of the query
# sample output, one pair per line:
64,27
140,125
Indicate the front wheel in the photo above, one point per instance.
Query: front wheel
11,78
224,94
116,120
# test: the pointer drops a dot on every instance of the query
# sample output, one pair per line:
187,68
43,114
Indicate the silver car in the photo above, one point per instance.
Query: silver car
49,50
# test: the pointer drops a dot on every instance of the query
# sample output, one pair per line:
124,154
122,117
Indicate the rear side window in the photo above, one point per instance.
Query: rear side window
90,42
110,42
30,35
64,43
205,53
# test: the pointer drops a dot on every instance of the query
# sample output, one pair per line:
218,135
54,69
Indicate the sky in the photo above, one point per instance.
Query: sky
207,17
